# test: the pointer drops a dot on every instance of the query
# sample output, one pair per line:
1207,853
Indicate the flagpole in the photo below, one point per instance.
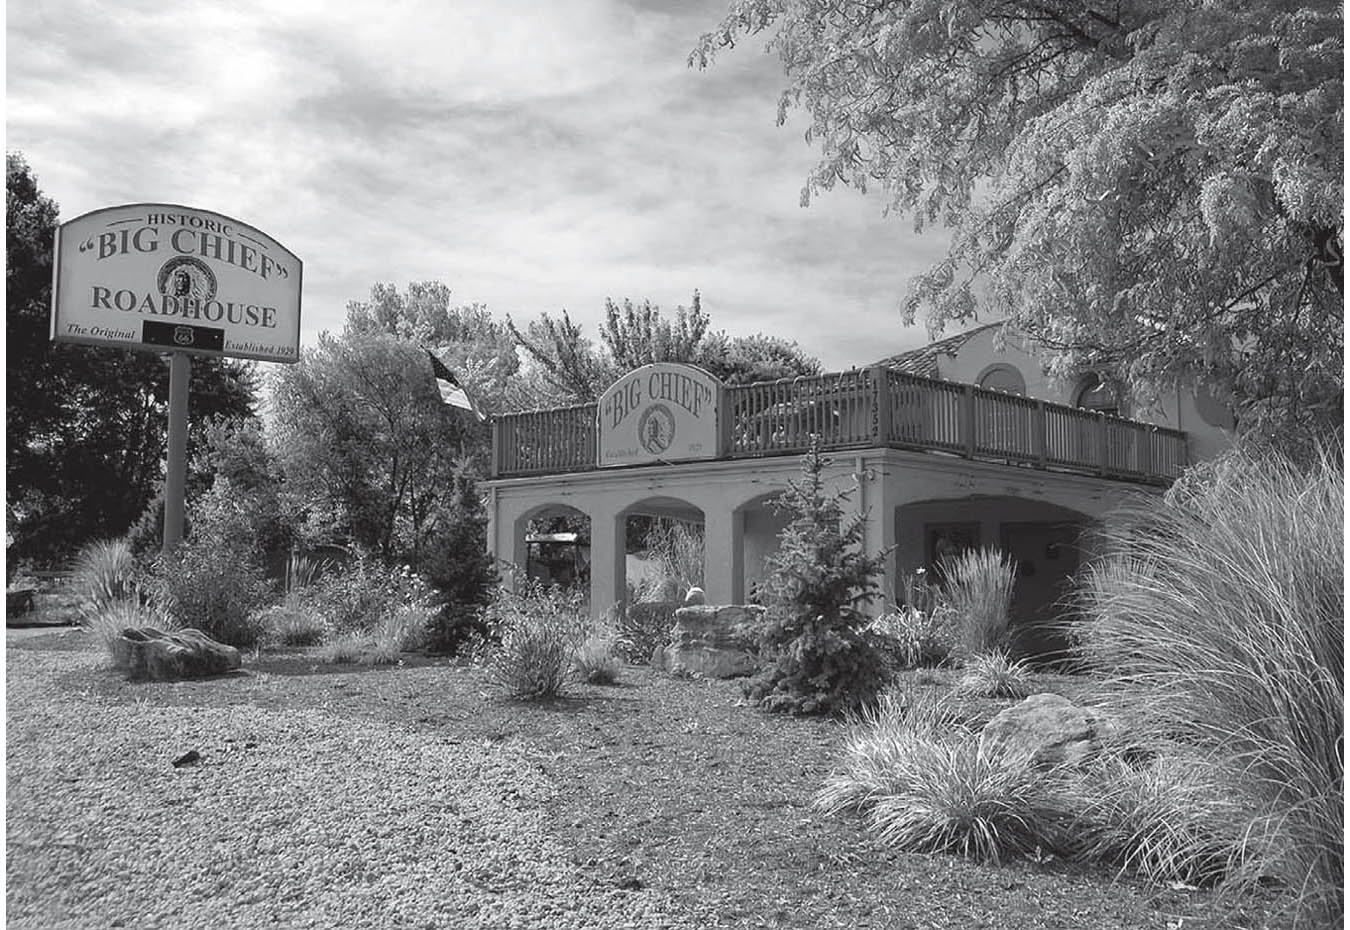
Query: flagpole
175,481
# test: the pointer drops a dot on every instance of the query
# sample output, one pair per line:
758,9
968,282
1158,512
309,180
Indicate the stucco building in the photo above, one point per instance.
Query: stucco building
964,442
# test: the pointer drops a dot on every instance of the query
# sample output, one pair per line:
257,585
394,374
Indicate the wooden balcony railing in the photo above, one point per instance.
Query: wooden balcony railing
869,408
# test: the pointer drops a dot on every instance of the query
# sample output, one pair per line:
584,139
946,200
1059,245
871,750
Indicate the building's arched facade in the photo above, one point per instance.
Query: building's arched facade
928,465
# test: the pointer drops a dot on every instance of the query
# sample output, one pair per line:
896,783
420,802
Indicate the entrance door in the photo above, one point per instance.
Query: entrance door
1047,559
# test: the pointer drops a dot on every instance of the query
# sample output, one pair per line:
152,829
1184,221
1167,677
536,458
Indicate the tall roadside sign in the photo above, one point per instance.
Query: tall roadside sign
179,281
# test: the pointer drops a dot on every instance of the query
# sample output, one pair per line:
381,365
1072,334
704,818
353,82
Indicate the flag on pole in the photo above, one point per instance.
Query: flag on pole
452,392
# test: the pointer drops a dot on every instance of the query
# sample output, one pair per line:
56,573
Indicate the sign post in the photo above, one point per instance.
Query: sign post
161,277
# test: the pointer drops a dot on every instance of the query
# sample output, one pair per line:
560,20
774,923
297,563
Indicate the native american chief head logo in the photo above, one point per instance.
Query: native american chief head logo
656,429
185,278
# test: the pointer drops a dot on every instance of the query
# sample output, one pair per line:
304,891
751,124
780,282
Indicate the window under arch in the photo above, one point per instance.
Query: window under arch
1099,395
1004,378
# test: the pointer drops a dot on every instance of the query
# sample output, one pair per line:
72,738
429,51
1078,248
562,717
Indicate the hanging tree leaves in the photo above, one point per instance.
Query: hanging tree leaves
1152,187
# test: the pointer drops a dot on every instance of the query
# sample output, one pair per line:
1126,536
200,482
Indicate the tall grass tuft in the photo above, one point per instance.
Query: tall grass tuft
924,785
108,621
1164,819
994,675
596,661
104,573
1217,619
979,588
537,634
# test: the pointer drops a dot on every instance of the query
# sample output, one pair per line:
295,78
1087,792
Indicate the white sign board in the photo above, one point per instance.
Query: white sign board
659,413
163,277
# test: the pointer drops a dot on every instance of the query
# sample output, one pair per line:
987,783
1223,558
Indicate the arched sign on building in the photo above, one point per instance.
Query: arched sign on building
665,412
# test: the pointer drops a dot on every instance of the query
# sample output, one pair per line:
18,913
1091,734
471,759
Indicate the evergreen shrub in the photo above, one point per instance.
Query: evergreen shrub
818,655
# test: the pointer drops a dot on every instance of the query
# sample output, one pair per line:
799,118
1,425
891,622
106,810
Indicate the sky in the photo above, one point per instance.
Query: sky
533,156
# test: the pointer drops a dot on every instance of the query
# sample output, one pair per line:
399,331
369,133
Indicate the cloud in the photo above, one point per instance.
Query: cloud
532,156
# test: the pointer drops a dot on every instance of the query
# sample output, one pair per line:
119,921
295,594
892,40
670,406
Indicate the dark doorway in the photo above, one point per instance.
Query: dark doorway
1047,557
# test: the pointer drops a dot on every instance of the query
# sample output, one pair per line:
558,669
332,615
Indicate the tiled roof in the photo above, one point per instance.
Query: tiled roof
923,360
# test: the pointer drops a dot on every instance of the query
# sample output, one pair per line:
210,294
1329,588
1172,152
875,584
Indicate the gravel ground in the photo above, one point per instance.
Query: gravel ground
411,797
292,819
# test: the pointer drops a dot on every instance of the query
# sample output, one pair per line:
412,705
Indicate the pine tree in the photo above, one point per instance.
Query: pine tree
459,566
820,658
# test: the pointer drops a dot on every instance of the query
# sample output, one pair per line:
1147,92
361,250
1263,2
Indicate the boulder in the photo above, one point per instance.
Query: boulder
1048,729
712,641
694,597
147,652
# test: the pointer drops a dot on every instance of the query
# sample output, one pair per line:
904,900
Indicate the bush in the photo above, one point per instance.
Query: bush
104,574
924,786
213,581
979,589
354,597
1218,618
818,655
537,633
994,675
642,628
915,638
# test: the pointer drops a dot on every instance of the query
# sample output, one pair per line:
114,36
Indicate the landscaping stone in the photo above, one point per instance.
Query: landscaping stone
695,596
147,652
1049,729
711,641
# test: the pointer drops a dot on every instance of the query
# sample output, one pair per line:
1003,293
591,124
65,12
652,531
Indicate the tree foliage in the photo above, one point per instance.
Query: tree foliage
1150,187
634,335
366,446
467,338
86,427
820,657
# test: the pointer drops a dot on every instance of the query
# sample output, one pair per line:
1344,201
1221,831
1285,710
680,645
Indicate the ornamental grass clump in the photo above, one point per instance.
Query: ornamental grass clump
104,574
994,675
917,774
979,589
596,661
1218,621
536,634
1174,817
291,623
107,622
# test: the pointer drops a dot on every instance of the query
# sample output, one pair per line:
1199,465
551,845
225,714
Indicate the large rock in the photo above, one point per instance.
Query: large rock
1048,729
147,652
712,641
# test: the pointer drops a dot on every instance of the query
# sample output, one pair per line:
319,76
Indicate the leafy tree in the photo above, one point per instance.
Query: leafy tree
565,359
820,657
473,344
745,359
637,336
365,444
1150,187
87,427
634,335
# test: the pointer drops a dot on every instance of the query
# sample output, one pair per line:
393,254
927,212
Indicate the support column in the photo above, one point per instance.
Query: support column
881,493
724,556
608,560
175,477
506,540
